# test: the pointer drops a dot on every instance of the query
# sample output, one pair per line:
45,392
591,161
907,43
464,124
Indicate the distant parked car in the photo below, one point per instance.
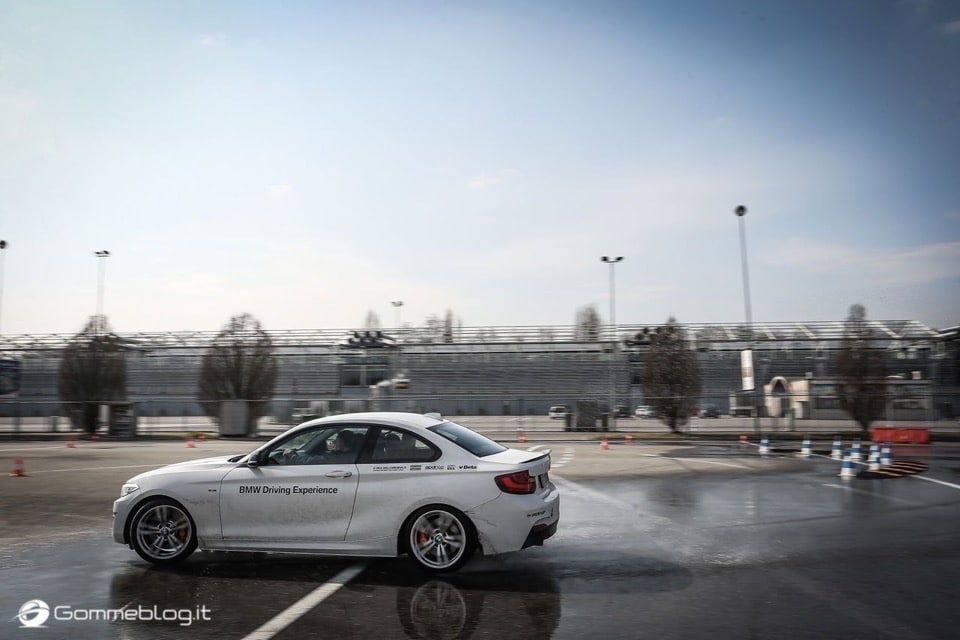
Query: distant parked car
709,411
645,411
621,411
558,412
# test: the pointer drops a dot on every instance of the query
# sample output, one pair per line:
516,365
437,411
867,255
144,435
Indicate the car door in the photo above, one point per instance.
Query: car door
299,495
397,470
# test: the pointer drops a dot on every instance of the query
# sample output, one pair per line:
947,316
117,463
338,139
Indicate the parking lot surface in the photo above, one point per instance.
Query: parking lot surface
673,540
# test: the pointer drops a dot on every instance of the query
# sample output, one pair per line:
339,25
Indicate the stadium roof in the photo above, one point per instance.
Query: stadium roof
327,339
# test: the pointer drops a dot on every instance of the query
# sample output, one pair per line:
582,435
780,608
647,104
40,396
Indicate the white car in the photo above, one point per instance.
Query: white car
645,411
362,484
558,412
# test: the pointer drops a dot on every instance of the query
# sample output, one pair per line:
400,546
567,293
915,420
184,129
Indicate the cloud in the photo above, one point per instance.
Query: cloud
950,29
904,265
210,40
486,180
279,190
194,285
482,181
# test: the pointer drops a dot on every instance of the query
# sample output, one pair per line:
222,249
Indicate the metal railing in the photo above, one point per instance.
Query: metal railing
495,411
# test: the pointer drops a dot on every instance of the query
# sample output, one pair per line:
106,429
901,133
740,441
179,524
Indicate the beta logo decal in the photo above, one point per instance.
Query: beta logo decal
468,466
32,614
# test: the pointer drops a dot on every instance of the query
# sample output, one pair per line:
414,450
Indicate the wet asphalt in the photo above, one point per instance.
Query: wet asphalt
721,543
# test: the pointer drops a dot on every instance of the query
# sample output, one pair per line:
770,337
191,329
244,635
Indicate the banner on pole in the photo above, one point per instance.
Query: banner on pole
746,369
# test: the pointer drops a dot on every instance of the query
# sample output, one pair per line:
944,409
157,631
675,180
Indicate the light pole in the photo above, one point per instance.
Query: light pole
741,213
613,330
3,246
101,256
397,304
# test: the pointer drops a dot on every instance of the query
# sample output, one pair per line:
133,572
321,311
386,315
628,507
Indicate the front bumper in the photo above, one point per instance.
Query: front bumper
121,510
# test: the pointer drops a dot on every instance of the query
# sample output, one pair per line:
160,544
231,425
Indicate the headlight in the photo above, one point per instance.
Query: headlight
127,489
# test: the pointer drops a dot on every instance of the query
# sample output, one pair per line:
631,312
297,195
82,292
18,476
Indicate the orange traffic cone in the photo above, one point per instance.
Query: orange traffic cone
743,438
603,443
190,444
629,438
70,443
202,437
18,471
522,438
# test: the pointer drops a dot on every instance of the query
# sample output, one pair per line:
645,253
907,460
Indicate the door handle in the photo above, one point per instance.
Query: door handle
339,474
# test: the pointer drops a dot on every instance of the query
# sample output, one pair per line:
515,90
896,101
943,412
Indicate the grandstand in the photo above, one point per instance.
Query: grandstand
494,370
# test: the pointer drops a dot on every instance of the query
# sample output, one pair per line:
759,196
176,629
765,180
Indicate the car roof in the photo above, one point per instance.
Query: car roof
391,418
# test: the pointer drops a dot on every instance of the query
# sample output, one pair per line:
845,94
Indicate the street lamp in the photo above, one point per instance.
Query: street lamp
613,329
396,305
747,362
101,255
3,246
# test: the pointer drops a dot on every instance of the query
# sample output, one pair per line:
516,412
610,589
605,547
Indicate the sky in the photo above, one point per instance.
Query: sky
311,162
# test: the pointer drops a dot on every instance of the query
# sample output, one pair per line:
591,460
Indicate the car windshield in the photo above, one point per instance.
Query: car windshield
472,441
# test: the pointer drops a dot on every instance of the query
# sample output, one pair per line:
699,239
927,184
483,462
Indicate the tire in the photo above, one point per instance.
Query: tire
440,539
162,532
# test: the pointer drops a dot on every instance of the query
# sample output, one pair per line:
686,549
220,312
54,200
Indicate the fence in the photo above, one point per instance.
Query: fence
504,412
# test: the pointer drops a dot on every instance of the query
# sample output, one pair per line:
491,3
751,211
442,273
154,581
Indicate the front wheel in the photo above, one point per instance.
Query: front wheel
162,532
440,539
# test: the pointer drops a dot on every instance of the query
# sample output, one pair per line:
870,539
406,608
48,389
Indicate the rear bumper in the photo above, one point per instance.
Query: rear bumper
513,522
539,533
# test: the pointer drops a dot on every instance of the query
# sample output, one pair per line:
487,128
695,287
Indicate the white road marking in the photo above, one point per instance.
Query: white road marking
946,484
286,617
62,446
128,466
870,493
568,455
866,464
720,464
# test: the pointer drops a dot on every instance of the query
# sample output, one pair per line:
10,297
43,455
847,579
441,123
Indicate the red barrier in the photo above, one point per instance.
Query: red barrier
912,435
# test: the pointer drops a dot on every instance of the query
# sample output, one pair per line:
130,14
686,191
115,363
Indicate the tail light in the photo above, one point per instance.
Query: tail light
520,482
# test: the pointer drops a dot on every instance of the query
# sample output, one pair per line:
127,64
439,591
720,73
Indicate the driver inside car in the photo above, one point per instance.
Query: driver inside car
339,448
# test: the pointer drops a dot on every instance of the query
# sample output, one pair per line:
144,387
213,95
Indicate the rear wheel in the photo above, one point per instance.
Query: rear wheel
162,532
440,539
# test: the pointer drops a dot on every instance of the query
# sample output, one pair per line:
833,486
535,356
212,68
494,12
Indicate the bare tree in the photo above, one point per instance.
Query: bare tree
93,371
239,365
861,372
587,324
372,320
671,375
448,327
437,329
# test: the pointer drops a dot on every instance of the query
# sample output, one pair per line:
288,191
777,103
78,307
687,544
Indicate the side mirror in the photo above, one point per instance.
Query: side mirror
253,460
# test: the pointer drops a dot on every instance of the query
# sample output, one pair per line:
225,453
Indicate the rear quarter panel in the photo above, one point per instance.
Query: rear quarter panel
388,493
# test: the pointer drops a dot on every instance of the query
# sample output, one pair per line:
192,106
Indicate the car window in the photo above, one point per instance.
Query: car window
472,441
395,445
319,446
